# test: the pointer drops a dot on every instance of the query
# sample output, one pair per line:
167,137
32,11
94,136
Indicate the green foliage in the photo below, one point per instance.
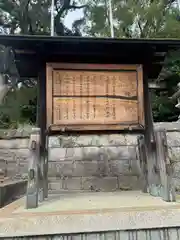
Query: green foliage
33,17
142,19
28,17
132,19
19,107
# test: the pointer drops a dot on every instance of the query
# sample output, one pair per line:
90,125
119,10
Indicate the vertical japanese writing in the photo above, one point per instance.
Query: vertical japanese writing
59,113
81,102
57,83
87,101
107,99
74,93
67,92
114,93
58,89
58,80
81,96
94,102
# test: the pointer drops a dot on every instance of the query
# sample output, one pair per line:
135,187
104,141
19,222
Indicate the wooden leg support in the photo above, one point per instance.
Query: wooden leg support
164,166
41,178
153,176
33,170
143,162
43,191
46,168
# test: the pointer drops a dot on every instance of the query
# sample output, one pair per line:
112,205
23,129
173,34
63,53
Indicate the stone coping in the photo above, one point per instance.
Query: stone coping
13,223
10,182
10,190
25,132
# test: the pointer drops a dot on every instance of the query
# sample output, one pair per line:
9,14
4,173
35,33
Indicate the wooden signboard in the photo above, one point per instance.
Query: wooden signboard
92,97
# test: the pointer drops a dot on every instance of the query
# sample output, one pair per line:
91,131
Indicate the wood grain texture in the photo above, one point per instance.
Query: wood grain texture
90,83
142,158
34,183
94,111
140,90
87,95
93,127
49,96
165,167
85,66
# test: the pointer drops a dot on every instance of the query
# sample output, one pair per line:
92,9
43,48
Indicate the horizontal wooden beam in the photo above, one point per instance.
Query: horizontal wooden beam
154,85
160,54
24,51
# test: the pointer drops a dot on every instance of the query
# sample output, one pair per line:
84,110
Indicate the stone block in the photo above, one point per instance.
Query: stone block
74,183
104,169
78,168
169,126
14,143
3,164
53,142
78,154
173,139
123,139
117,140
83,141
107,153
60,169
65,154
68,141
129,182
92,153
174,154
14,155
119,153
131,139
85,168
22,168
15,133
57,154
100,140
11,172
64,141
92,140
118,167
55,185
176,170
100,184
134,167
176,183
126,167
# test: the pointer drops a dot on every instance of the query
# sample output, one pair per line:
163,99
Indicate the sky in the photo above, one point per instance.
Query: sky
71,16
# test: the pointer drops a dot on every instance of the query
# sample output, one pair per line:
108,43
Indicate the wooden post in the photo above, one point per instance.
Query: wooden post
45,183
33,170
153,177
42,125
143,162
41,178
164,166
47,165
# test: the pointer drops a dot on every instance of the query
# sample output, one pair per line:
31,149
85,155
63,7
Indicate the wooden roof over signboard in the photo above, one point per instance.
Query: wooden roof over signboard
31,51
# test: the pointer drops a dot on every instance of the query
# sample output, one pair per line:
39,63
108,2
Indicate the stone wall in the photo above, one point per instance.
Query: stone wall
87,162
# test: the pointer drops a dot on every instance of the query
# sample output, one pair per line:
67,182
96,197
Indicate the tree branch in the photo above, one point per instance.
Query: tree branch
141,30
76,7
59,27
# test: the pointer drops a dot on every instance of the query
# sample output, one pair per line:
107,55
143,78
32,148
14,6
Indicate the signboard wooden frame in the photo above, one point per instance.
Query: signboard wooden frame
94,97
